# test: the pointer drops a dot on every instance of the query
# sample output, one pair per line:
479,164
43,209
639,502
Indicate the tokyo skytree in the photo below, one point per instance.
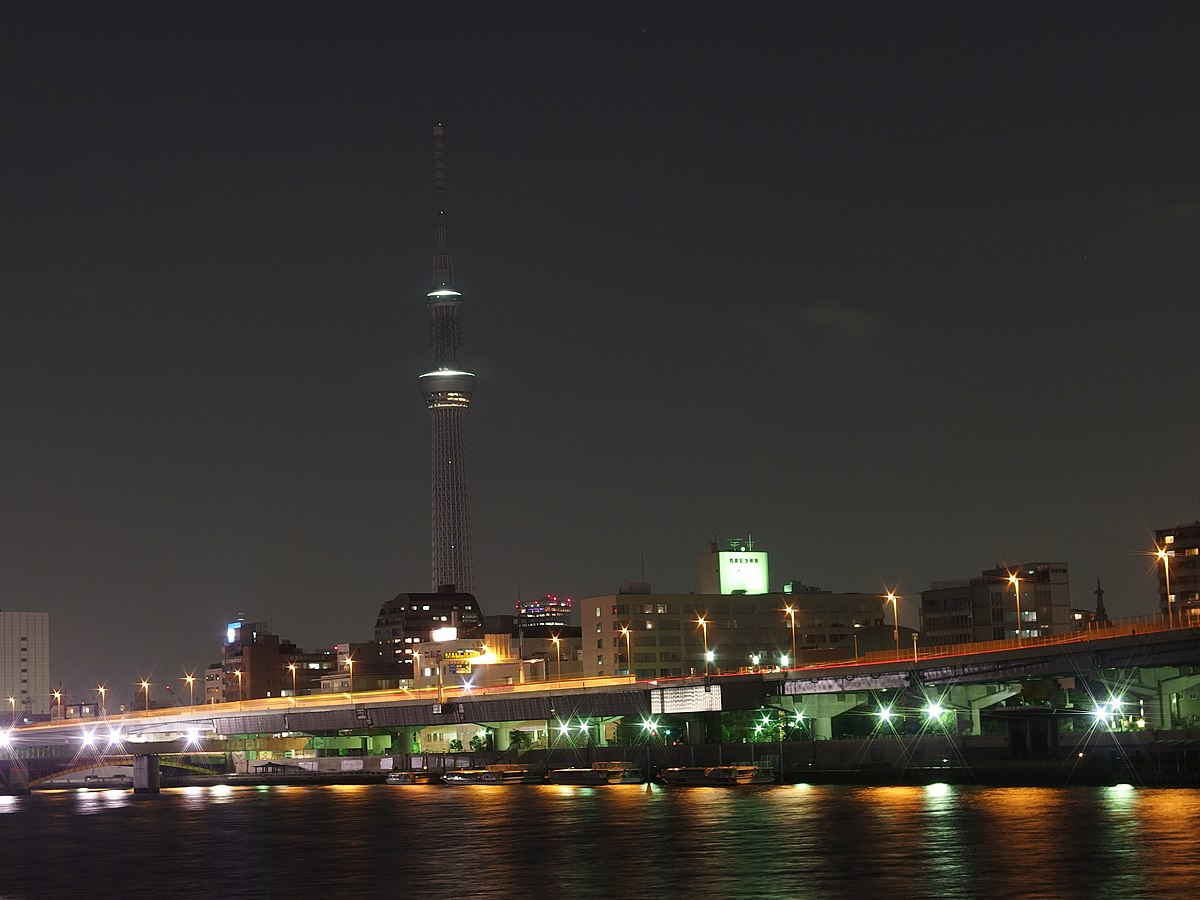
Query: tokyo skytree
447,390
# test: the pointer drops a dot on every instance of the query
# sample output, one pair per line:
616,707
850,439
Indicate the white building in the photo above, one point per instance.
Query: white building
25,663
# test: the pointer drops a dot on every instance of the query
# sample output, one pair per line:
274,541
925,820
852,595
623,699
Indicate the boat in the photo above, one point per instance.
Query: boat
717,776
600,773
496,774
415,776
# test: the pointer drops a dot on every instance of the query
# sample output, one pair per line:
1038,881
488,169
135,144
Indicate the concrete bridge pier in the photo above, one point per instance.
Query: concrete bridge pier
819,710
17,778
146,776
969,699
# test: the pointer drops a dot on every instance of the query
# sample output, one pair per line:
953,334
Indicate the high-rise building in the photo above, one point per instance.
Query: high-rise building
447,390
24,665
1180,549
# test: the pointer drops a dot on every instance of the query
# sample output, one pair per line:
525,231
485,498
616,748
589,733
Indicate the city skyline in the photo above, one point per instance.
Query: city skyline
904,293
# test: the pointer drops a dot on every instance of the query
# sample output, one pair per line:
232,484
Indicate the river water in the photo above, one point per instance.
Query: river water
636,841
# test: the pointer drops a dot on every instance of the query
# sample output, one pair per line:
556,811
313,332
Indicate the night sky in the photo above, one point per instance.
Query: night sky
904,291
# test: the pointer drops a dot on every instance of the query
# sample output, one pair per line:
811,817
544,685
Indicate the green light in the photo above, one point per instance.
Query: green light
885,714
934,710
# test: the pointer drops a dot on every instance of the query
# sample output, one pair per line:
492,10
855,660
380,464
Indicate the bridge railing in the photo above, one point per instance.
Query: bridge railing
1131,625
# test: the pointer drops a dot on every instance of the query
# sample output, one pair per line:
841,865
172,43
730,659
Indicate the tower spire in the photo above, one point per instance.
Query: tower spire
443,265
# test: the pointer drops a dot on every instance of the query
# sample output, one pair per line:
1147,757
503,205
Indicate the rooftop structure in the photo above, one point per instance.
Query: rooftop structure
408,620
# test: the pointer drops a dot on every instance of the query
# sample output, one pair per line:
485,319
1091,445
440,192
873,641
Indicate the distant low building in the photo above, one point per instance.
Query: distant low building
668,635
256,663
984,608
409,620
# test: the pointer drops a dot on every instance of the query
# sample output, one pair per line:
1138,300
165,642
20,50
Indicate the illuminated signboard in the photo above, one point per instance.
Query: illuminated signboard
460,654
743,571
687,699
232,630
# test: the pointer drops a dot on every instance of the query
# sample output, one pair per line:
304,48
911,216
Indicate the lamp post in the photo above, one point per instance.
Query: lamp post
58,699
146,689
1164,556
190,680
557,655
1015,581
350,666
292,668
891,595
628,650
238,673
914,646
791,614
12,702
703,623
101,690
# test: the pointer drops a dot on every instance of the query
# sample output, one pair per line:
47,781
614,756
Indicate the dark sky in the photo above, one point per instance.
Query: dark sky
902,290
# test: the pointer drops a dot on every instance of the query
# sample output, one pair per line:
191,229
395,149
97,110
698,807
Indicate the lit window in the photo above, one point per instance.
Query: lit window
1169,539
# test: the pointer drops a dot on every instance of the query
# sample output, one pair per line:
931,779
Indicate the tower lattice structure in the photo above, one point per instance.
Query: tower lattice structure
447,390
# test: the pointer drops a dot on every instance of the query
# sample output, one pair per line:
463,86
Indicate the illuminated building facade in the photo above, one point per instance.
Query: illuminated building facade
447,390
739,568
984,608
24,665
1182,547
408,620
548,610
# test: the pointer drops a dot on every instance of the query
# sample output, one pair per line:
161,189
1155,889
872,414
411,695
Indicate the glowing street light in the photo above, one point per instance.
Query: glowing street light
292,668
238,674
1165,557
101,690
146,688
58,699
12,702
790,612
191,683
554,639
1016,583
703,623
891,595
350,666
628,649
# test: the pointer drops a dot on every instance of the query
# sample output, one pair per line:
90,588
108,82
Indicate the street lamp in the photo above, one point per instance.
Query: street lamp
191,683
1164,556
146,687
703,623
1016,583
238,673
101,690
292,669
58,700
791,614
12,702
350,666
891,595
628,650
557,654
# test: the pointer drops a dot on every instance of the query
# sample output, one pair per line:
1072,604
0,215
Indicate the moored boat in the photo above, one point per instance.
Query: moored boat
717,776
497,774
417,776
599,774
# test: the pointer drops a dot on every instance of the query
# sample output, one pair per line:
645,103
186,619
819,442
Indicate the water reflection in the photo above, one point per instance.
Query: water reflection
614,842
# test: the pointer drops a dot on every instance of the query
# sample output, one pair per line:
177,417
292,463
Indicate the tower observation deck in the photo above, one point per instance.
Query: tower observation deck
447,390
